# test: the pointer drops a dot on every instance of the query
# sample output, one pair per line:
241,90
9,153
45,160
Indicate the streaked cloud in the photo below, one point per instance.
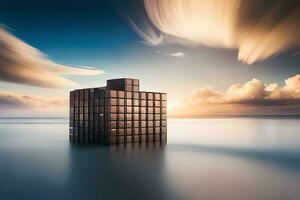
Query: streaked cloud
16,101
257,29
252,97
178,54
23,64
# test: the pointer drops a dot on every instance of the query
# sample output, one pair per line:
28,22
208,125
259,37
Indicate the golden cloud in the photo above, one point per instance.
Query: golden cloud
257,29
252,97
23,64
16,101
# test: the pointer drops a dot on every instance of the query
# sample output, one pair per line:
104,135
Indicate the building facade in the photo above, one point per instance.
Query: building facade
117,113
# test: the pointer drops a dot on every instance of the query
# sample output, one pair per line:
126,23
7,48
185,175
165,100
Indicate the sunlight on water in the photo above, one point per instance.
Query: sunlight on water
222,158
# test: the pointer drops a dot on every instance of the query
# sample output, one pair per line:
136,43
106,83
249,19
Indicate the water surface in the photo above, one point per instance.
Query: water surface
221,158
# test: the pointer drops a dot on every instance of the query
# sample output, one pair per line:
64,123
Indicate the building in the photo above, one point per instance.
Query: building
118,113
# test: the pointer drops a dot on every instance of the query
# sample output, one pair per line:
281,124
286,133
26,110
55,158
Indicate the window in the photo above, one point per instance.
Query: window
150,130
128,87
143,110
135,117
150,96
136,95
150,116
128,116
164,104
157,96
113,124
157,123
135,88
128,102
143,123
128,95
121,117
135,82
136,109
113,101
136,124
157,110
142,95
143,116
157,103
143,102
136,102
121,102
121,124
129,109
121,109
121,94
150,110
164,97
113,109
150,123
121,132
113,116
143,131
157,117
128,124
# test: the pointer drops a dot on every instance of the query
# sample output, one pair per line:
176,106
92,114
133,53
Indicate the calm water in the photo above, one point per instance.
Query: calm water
229,158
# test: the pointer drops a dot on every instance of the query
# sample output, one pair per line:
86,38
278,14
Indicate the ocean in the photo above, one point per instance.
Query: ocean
235,158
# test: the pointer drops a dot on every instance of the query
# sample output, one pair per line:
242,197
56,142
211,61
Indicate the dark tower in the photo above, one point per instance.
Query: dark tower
118,113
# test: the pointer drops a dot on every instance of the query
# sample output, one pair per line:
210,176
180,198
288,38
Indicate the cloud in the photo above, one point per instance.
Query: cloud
257,29
23,64
252,97
178,54
16,101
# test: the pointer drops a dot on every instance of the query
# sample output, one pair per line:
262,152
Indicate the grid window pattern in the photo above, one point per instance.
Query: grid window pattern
118,113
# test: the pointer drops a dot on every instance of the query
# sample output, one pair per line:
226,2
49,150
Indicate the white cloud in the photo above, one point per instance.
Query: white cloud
178,54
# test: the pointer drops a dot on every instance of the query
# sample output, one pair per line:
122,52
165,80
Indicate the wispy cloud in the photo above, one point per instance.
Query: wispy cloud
252,97
178,54
16,101
23,64
256,28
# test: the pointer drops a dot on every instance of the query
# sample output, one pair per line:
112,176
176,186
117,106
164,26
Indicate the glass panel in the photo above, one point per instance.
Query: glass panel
121,94
121,102
113,101
113,109
129,109
136,95
150,96
113,124
121,124
121,116
129,117
128,102
136,117
136,102
128,95
143,110
121,109
113,116
136,109
157,96
143,116
143,95
143,102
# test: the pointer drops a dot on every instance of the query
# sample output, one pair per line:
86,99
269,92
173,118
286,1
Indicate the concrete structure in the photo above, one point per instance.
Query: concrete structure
118,113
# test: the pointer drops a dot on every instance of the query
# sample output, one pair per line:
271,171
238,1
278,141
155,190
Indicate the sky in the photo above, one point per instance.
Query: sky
235,57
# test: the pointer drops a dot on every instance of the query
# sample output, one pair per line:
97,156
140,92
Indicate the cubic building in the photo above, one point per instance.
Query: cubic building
118,113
